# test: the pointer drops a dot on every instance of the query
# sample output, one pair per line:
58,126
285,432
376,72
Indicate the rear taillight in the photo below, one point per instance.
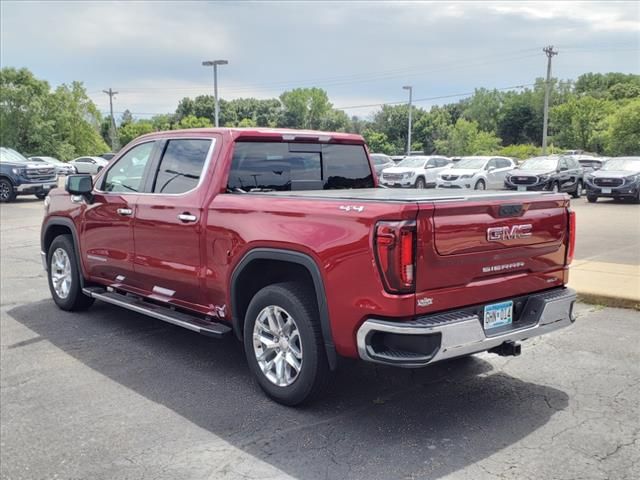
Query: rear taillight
571,250
395,246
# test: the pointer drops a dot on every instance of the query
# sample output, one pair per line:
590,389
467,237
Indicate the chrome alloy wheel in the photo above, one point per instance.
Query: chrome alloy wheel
61,272
277,346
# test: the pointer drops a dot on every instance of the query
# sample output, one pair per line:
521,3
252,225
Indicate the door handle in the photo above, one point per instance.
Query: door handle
187,217
125,212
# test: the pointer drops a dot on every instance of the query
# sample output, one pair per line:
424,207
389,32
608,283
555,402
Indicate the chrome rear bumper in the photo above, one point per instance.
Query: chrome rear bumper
458,333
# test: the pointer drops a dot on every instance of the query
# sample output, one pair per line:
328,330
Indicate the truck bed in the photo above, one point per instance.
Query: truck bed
406,195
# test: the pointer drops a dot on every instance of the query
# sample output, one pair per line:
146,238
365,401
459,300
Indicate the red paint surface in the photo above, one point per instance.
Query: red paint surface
154,248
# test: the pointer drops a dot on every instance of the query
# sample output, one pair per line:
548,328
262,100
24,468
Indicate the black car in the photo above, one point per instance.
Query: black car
618,178
552,173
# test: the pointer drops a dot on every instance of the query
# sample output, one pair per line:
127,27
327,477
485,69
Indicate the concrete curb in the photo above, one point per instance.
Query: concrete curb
608,300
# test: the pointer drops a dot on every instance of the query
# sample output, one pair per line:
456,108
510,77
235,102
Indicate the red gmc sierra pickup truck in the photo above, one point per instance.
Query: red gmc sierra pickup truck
284,239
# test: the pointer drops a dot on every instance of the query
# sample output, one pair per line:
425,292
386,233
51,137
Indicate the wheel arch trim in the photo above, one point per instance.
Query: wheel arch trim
68,223
311,266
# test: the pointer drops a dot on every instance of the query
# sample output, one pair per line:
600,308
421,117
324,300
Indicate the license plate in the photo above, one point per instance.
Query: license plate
606,190
522,188
498,315
446,184
46,187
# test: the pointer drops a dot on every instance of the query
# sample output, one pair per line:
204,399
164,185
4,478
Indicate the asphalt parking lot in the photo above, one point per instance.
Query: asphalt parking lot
111,394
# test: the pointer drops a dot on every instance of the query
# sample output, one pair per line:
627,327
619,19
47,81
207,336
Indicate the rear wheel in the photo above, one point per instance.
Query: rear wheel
592,198
283,343
7,192
480,185
420,183
64,275
577,193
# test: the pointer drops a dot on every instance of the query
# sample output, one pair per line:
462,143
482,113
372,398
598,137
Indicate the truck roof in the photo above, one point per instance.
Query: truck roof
270,133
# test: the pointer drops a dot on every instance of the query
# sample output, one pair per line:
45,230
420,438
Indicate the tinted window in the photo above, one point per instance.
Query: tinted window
126,174
295,166
563,164
504,163
493,163
181,165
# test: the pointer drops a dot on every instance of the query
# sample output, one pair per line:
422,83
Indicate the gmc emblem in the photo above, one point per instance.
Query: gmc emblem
499,234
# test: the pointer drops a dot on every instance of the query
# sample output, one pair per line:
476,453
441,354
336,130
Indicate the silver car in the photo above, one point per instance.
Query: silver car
61,167
478,173
380,162
91,165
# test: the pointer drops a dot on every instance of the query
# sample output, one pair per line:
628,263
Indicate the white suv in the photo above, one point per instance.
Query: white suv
415,171
478,173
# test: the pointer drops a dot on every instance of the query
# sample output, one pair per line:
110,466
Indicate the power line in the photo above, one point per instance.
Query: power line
351,107
427,99
353,78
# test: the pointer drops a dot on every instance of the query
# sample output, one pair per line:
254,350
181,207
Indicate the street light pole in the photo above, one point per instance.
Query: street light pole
214,64
549,52
410,88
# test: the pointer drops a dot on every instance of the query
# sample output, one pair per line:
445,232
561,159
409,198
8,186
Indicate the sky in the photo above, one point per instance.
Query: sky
361,53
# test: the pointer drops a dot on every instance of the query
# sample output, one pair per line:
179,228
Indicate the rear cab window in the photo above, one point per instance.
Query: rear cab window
287,166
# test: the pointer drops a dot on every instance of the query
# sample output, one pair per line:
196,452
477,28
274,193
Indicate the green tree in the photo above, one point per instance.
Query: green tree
304,108
134,130
432,126
484,109
579,123
25,124
465,138
623,136
378,142
191,121
77,122
392,120
520,151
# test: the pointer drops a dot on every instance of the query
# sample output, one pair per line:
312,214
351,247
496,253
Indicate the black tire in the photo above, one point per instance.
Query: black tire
592,198
41,196
75,300
420,183
7,192
555,187
480,185
577,193
300,303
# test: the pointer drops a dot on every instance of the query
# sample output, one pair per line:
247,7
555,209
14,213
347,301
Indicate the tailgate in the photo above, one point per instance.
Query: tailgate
462,242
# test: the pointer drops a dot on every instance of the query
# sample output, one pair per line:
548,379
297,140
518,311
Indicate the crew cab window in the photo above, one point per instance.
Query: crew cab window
296,166
181,165
126,174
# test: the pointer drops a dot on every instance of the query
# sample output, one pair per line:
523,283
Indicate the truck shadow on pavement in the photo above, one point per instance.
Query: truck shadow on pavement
375,422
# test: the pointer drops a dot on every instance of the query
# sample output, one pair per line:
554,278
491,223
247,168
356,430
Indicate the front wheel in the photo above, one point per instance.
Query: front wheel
283,343
480,185
577,193
64,275
420,183
7,192
592,198
41,195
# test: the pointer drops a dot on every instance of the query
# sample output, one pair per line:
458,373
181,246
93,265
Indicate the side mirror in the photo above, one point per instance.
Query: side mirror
79,184
491,169
563,169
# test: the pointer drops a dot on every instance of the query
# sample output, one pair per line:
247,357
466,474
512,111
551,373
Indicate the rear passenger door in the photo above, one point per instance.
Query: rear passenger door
167,227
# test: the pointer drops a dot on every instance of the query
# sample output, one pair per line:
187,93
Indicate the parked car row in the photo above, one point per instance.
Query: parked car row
572,174
38,174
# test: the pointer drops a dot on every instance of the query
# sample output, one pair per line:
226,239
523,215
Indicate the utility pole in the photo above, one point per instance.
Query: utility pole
550,52
214,64
410,88
112,133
